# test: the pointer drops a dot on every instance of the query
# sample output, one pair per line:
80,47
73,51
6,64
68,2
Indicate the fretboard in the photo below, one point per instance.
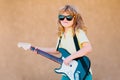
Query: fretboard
47,55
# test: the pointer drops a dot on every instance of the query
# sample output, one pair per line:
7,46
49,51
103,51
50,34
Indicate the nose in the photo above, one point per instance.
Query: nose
65,19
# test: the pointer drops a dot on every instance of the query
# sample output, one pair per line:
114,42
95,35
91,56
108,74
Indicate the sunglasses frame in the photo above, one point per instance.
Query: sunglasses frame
68,17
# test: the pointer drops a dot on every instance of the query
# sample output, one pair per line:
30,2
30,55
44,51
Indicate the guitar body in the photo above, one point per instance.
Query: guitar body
78,68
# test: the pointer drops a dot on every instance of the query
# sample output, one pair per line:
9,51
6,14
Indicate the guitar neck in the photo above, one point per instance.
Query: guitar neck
47,55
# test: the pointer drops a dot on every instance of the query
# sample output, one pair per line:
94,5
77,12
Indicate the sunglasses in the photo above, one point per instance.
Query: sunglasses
62,17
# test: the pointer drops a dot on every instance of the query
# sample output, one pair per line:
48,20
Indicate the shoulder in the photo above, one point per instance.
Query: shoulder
80,32
81,35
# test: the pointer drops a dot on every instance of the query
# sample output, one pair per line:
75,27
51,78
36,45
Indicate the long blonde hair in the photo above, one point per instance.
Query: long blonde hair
77,23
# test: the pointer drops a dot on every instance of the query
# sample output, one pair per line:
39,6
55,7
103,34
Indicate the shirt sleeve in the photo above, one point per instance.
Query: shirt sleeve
82,37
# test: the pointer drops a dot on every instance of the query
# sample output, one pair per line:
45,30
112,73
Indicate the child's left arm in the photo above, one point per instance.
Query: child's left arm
86,48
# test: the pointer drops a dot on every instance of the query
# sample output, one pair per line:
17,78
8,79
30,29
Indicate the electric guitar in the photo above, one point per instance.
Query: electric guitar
76,70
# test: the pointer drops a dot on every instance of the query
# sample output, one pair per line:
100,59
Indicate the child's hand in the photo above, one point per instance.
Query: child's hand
67,60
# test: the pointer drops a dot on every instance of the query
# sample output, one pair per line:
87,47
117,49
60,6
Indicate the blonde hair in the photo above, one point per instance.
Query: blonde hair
77,23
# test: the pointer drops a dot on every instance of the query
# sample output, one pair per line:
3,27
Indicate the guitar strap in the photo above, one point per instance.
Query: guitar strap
59,43
75,41
81,59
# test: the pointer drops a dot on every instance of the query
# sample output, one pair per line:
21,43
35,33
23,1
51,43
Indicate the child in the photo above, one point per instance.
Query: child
71,24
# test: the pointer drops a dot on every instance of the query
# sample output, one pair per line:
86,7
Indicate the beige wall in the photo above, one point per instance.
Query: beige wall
34,21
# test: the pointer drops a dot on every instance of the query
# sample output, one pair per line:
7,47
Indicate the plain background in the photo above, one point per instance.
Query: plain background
35,21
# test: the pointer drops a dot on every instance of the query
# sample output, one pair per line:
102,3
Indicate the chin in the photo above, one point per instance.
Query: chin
66,25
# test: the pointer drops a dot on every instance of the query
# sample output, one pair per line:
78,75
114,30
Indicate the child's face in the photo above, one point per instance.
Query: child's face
66,20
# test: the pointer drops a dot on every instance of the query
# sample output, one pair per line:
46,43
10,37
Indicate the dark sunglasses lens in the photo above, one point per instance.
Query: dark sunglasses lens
69,18
61,17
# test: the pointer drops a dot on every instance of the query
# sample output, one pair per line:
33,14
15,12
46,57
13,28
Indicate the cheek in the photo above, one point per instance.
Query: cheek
71,23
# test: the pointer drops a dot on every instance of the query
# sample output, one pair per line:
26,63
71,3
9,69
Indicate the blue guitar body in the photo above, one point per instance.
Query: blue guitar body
78,68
